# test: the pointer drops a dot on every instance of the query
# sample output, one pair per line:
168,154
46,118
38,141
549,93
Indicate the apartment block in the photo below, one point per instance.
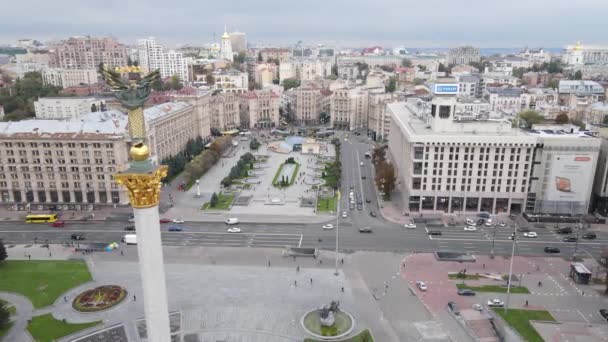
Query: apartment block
259,109
87,53
71,108
66,78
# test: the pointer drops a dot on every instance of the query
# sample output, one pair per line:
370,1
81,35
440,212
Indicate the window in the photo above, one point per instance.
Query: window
444,112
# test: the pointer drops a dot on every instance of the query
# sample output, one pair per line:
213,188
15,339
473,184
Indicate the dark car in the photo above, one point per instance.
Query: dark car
569,239
434,232
523,230
365,230
363,177
129,228
590,236
565,230
58,224
484,215
551,250
604,313
367,200
175,229
480,222
452,306
351,206
466,292
372,213
76,237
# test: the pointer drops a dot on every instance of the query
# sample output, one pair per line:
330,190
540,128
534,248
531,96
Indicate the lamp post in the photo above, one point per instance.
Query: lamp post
198,189
336,273
493,240
514,236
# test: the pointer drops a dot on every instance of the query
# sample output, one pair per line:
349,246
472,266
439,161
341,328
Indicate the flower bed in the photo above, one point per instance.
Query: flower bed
99,298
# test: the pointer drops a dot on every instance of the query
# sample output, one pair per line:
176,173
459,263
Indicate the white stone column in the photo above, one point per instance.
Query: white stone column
151,265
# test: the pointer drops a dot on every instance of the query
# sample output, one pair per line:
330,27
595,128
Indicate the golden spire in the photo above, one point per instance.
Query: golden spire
225,35
578,46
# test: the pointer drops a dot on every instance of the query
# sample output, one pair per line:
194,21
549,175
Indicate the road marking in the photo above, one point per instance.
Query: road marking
301,236
585,318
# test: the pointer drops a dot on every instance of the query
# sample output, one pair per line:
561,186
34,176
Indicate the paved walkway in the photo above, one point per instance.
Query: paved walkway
25,311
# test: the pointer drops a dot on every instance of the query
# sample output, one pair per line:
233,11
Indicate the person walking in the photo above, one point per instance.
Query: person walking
134,298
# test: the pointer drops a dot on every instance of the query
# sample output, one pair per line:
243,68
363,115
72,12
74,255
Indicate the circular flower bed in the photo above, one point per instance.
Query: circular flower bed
99,298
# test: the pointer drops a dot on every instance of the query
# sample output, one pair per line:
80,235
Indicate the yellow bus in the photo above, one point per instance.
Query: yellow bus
41,218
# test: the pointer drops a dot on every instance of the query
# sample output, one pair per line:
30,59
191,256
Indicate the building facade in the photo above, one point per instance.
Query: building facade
29,62
169,126
231,81
70,108
152,56
238,42
579,54
308,103
259,109
463,55
66,78
224,111
87,53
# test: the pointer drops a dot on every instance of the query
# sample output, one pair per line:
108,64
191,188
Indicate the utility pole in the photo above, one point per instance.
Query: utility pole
337,230
514,235
493,240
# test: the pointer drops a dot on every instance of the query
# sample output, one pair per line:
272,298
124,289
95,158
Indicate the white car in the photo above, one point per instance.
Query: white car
488,224
410,226
502,224
234,230
232,220
530,234
496,303
361,164
177,221
328,226
470,222
489,221
470,229
478,307
421,285
344,214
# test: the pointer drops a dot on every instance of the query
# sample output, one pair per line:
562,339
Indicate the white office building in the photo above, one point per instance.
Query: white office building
66,78
152,56
71,108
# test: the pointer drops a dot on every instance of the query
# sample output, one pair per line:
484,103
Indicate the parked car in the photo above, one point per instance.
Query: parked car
129,229
604,313
359,206
480,222
328,226
178,221
512,216
367,200
530,234
565,230
232,220
361,164
421,285
351,206
484,215
590,236
372,214
234,230
488,223
365,230
452,306
165,220
77,237
496,303
175,229
434,232
344,214
569,239
469,221
410,226
470,229
58,224
551,250
502,224
477,307
466,292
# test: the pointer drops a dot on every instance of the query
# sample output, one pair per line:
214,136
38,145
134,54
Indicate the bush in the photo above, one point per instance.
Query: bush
290,160
213,201
254,144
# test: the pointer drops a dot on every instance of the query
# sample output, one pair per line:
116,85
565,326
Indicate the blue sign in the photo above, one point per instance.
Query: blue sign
446,89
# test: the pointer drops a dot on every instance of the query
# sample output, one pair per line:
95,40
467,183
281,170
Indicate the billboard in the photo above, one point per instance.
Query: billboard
446,89
570,177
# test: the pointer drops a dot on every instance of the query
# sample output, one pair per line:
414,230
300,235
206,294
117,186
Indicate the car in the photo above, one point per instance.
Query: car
367,200
565,230
131,218
421,285
480,222
129,229
551,250
604,313
58,224
488,224
328,226
470,222
178,221
489,221
590,236
365,230
484,215
344,214
351,206
232,220
361,164
165,220
77,237
175,229
523,230
372,214
512,216
359,206
466,292
434,232
410,226
530,234
502,224
452,306
569,239
477,307
496,303
363,177
234,230
470,229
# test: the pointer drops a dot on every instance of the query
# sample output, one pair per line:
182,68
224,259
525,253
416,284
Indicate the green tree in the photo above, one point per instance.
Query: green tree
578,75
213,201
240,57
443,68
561,118
391,86
254,144
289,83
210,80
5,316
422,67
406,63
334,70
3,254
260,59
519,72
554,67
418,81
129,61
553,84
530,117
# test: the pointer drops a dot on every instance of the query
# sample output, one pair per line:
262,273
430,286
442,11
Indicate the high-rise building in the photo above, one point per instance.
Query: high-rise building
152,56
226,47
238,41
87,53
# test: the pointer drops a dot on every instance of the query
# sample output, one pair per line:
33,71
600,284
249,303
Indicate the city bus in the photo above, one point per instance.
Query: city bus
40,218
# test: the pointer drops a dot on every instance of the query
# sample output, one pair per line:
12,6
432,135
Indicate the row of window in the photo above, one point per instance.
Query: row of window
47,144
53,185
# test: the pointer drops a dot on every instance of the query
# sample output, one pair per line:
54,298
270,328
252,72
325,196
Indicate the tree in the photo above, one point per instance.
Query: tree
421,67
254,144
443,68
174,83
289,83
334,70
553,84
385,177
406,63
93,108
418,81
554,67
240,57
578,75
213,201
519,72
561,118
260,59
129,61
324,117
530,117
378,155
5,316
387,68
3,254
391,86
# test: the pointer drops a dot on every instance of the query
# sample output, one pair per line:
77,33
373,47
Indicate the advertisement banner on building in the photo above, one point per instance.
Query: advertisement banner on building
570,177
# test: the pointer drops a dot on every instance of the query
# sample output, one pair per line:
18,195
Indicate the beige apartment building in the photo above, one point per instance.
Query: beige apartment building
87,53
66,78
169,126
259,109
350,107
220,111
309,103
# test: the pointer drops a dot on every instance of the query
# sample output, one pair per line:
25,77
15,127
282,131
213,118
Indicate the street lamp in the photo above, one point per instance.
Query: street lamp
493,240
198,188
514,237
336,273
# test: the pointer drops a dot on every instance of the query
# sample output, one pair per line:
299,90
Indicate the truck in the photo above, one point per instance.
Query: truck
130,239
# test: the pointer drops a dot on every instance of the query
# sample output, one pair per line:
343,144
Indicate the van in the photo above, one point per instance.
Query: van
130,239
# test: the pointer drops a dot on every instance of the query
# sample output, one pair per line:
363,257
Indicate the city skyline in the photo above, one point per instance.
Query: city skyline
537,23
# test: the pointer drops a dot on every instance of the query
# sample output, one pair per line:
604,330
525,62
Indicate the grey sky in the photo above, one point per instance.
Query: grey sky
427,23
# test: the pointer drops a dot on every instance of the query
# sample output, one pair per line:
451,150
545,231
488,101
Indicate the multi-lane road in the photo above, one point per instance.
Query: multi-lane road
386,236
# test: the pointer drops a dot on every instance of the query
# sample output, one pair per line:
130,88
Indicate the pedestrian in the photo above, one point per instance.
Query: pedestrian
320,262
294,258
583,293
295,283
526,303
50,255
134,298
483,266
65,298
29,256
311,280
297,268
342,288
342,261
268,263
122,252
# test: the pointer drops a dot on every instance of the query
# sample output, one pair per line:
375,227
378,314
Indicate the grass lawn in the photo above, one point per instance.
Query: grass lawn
467,276
364,336
46,328
494,288
223,202
520,321
326,204
42,282
292,179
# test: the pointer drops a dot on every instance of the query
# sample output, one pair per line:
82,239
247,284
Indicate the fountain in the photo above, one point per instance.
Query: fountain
328,322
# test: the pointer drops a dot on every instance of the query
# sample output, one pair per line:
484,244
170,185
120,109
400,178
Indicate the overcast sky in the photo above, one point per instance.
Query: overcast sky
426,23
